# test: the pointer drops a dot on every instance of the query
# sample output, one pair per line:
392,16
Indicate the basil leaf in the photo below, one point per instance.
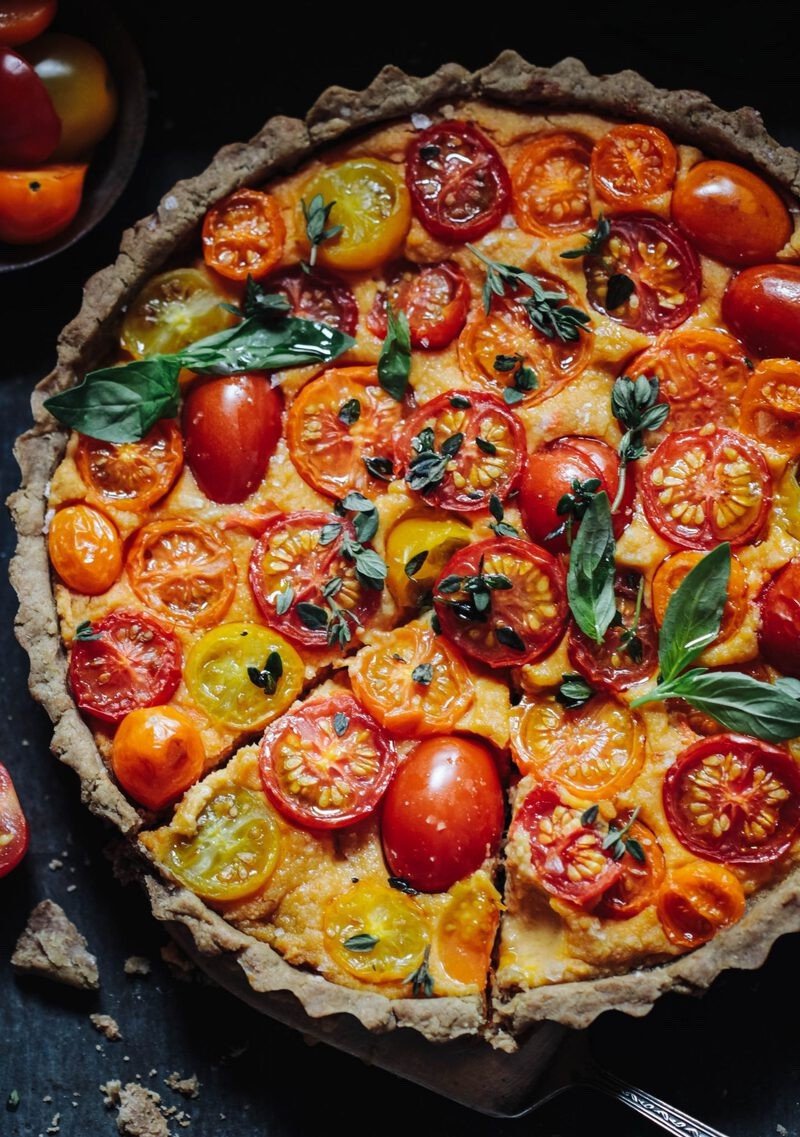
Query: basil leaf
120,404
590,580
255,346
394,363
694,613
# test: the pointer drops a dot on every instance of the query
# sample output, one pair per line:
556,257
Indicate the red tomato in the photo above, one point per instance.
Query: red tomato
29,126
435,298
567,857
502,601
317,295
551,472
36,205
443,813
613,665
656,259
22,20
701,488
231,426
131,475
551,185
483,440
734,799
133,661
762,306
638,886
731,214
779,634
327,764
458,184
14,836
632,164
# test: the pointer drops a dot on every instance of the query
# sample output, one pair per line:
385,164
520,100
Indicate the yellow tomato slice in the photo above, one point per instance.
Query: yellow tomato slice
375,933
435,535
372,205
787,501
466,930
173,310
232,675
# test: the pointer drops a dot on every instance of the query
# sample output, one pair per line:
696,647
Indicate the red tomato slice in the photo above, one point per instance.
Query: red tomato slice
29,126
779,634
632,164
649,272
317,295
327,764
502,601
14,836
459,186
290,566
134,661
702,487
762,307
637,887
615,665
734,799
551,185
457,456
435,298
131,475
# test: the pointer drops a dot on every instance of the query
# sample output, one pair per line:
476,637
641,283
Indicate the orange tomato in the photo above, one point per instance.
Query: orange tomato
465,932
551,184
35,205
131,475
632,164
243,235
182,570
157,754
636,889
85,549
674,569
771,406
696,901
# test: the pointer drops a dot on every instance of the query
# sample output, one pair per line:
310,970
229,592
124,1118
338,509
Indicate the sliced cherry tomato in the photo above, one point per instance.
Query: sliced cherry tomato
594,751
173,310
317,295
503,601
131,475
370,912
787,499
85,549
702,375
698,900
23,20
36,205
552,473
29,127
233,851
702,487
674,569
779,634
430,536
466,930
435,298
734,799
490,342
620,661
327,764
233,676
231,424
771,406
157,754
551,185
762,307
640,882
182,570
567,858
632,164
339,423
645,276
243,235
79,83
731,214
14,835
131,660
371,203
458,456
459,186
296,557
383,677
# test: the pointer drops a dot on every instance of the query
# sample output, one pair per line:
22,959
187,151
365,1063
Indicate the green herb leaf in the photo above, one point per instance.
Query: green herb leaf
574,691
507,362
394,362
311,616
694,613
594,241
341,721
258,302
460,402
421,979
402,886
511,396
509,638
316,215
415,564
485,446
423,673
590,579
619,841
349,412
283,601
12,1101
619,290
328,533
500,527
85,632
589,816
268,678
362,942
379,467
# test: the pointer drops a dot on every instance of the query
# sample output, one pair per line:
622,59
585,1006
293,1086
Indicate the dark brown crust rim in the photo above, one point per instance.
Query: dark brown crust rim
688,116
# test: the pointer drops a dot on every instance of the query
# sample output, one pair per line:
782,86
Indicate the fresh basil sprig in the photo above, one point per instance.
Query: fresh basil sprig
394,363
694,613
590,579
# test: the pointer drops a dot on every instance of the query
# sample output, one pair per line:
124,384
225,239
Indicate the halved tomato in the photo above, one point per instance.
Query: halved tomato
628,653
173,310
243,235
632,164
641,880
696,901
466,930
14,834
317,295
779,634
375,933
131,475
85,549
417,549
674,569
435,299
771,406
551,184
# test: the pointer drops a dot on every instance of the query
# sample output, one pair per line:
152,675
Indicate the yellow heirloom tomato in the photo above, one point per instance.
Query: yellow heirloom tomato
172,311
375,933
466,930
435,535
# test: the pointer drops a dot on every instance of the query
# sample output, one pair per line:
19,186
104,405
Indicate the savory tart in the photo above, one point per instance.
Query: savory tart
421,501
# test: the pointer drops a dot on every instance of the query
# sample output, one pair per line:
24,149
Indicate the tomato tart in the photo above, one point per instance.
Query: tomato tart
410,549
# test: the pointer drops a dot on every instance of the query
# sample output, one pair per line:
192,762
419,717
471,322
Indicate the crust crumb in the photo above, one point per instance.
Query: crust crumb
106,1025
188,1087
52,947
137,965
139,1115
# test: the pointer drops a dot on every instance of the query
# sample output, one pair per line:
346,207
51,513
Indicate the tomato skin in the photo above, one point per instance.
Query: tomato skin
231,426
317,295
638,886
23,20
779,633
435,299
157,754
85,549
762,307
432,533
632,164
14,834
551,184
443,813
38,204
731,214
608,666
29,127
696,901
392,919
131,475
243,235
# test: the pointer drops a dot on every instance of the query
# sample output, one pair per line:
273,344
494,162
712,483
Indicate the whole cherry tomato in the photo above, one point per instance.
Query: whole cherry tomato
762,306
36,205
29,126
779,635
14,834
157,754
80,85
23,20
85,549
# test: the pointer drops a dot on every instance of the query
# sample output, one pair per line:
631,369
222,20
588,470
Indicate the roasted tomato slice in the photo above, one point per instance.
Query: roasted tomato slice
629,651
85,549
296,558
339,431
182,570
14,836
771,406
632,164
638,886
696,901
243,235
435,298
645,276
734,799
131,475
326,764
702,375
466,930
761,305
414,682
503,601
460,449
417,549
375,933
459,187
173,310
156,755
551,184
594,751
674,569
567,858
702,487
317,295
779,634
131,660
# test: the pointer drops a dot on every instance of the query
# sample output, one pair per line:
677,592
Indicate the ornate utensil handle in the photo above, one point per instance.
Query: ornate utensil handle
668,1118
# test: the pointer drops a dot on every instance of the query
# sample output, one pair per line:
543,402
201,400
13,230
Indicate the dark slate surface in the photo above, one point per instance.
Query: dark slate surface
723,1058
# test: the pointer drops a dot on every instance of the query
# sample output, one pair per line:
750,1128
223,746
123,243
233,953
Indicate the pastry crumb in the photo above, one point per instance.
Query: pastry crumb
110,1091
107,1026
51,946
137,965
139,1115
188,1087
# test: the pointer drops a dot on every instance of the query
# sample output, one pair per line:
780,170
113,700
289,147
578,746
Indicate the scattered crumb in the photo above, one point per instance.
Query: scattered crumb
54,1125
72,888
107,1026
153,1073
188,1087
47,1099
110,1091
139,1115
52,947
137,965
782,1131
55,864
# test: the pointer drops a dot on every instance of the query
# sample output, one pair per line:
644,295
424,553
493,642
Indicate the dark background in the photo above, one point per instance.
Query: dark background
726,1058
